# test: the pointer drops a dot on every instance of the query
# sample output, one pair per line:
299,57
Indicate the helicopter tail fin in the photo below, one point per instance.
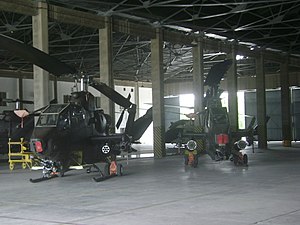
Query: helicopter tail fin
139,126
130,121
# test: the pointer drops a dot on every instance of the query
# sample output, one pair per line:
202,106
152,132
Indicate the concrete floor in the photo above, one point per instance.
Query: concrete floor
161,191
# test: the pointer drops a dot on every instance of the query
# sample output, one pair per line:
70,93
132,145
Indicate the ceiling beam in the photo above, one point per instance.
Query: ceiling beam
16,74
25,7
133,28
86,19
71,16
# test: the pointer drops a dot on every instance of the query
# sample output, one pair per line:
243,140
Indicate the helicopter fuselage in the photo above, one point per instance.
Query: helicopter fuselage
64,128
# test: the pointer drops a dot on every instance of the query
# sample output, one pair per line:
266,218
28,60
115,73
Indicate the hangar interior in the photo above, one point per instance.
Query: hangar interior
222,29
158,52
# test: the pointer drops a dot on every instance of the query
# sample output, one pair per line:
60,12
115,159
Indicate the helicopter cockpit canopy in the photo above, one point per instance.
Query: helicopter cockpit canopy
217,119
49,117
219,115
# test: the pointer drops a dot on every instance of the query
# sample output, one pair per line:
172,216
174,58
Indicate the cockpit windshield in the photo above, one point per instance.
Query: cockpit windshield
49,116
219,115
56,108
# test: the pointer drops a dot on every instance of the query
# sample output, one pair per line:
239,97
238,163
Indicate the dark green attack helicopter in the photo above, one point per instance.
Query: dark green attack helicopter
78,126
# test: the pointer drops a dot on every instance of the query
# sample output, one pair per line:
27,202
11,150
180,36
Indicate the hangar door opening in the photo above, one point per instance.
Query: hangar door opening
172,110
273,110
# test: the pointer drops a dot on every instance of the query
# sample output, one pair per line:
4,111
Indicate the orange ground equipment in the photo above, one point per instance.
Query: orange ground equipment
191,154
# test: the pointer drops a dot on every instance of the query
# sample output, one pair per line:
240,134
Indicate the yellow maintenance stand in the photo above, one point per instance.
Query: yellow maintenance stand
18,154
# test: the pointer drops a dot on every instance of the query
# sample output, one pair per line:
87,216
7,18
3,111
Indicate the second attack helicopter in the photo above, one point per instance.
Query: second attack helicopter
220,141
78,126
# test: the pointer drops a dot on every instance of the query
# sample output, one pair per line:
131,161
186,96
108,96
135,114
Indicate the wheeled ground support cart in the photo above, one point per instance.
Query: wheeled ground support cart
17,153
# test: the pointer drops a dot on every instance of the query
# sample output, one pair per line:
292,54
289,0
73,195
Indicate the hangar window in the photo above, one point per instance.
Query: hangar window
3,96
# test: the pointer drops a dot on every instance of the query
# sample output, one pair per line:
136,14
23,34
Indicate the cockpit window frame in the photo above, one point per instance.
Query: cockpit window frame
50,115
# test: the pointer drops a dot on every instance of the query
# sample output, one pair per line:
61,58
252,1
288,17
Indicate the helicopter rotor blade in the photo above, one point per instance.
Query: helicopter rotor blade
120,119
8,100
217,72
55,66
111,94
122,114
35,56
25,101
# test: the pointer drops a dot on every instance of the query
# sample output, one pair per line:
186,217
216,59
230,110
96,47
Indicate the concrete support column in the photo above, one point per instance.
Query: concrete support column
198,88
158,95
20,87
261,101
106,74
198,78
285,104
40,41
232,90
137,99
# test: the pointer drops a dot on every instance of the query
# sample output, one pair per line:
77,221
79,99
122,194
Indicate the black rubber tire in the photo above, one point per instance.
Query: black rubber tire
119,169
186,160
245,159
106,170
195,164
235,160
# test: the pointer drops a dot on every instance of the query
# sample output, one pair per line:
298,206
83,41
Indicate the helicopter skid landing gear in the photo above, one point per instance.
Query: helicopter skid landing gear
111,170
89,169
42,179
50,170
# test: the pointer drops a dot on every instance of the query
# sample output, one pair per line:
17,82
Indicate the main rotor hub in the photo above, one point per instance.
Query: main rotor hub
84,83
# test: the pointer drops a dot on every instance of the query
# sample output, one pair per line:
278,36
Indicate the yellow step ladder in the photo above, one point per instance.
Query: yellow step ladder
19,155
